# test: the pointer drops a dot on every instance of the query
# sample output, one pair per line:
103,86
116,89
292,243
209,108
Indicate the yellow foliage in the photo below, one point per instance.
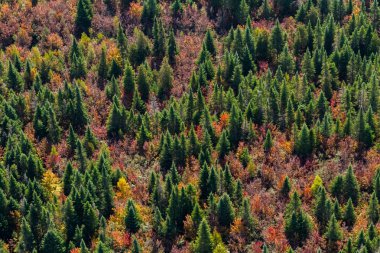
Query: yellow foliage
124,190
52,183
316,184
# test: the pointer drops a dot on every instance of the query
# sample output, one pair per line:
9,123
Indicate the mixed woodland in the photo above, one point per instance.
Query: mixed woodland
204,126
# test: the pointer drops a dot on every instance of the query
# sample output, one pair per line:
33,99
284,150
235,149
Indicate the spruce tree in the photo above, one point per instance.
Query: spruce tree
14,79
83,17
268,142
334,234
223,146
102,68
204,241
277,38
165,80
136,248
373,209
225,211
350,186
52,242
209,43
172,48
132,220
349,216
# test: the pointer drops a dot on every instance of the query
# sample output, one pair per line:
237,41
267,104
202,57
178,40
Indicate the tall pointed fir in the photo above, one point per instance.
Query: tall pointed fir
83,17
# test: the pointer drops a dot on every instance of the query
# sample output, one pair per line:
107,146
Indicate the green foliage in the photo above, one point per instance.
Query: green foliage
83,17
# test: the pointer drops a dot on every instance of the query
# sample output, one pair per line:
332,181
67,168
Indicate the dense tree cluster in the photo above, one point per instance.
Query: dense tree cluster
189,126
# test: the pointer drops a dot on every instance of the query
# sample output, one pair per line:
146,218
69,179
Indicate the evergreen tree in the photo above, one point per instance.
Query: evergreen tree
297,222
349,216
150,11
209,43
52,242
80,119
223,146
373,209
14,79
26,242
165,80
351,186
234,128
102,68
277,38
204,241
172,47
83,17
159,41
364,135
132,220
333,234
136,248
268,142
322,210
286,187
225,211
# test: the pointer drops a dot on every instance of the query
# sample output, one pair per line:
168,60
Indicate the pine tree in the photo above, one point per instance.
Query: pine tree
349,216
225,211
266,10
166,153
351,186
136,248
121,38
242,12
329,36
209,43
334,234
102,68
80,119
197,215
303,146
249,222
68,179
83,17
159,41
143,136
204,241
277,38
286,187
14,79
223,146
90,142
172,48
150,11
373,209
71,221
141,49
193,143
115,69
268,142
28,76
90,221
297,222
176,9
71,141
322,209
52,242
26,242
78,67
165,80
132,220
234,128
364,135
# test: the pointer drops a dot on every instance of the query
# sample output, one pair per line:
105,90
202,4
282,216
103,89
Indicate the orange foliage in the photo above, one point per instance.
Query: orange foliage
135,10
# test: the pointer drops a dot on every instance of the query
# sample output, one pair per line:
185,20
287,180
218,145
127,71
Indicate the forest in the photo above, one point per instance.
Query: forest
200,126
